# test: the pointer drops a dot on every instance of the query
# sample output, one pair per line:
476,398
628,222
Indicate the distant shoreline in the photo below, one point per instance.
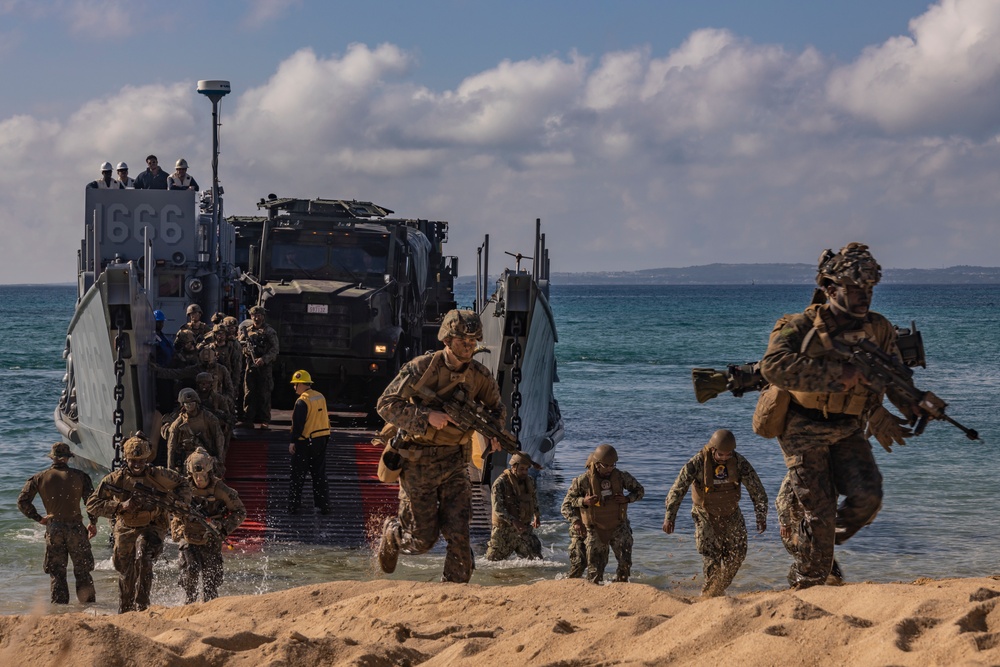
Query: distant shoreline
767,274
736,274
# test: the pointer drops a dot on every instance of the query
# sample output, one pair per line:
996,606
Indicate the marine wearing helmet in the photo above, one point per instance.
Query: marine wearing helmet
847,278
137,449
463,324
852,265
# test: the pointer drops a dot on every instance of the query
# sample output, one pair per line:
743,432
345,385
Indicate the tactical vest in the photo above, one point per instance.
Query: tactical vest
211,502
607,514
522,503
153,477
174,183
816,344
317,418
444,382
718,493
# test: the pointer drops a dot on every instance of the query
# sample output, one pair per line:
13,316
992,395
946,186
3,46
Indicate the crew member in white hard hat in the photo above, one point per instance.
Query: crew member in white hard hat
123,177
106,181
179,180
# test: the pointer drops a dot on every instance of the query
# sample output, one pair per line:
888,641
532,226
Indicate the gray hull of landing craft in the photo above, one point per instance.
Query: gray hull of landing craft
520,297
82,415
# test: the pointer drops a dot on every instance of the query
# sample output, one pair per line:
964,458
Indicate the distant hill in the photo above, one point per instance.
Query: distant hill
769,274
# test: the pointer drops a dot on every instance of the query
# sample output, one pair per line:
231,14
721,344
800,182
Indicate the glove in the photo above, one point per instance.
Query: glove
887,428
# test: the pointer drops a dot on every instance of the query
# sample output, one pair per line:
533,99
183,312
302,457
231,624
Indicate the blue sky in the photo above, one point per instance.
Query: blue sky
644,134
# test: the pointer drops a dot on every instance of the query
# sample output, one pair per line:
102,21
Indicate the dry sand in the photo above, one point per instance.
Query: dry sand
564,622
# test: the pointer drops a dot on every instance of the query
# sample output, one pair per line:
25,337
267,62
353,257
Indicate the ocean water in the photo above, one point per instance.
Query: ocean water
625,355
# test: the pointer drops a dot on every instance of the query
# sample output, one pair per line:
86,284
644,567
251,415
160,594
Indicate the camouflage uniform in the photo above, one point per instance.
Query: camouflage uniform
200,550
507,495
435,495
577,540
825,450
258,381
601,539
62,489
199,329
138,531
188,432
720,529
790,515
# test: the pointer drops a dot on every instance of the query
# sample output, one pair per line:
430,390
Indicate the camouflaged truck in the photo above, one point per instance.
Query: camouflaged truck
352,293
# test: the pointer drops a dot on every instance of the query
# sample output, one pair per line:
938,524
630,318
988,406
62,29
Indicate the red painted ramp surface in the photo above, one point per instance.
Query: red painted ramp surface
258,466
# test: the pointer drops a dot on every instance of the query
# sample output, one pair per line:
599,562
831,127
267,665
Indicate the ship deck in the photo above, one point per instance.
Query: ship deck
258,467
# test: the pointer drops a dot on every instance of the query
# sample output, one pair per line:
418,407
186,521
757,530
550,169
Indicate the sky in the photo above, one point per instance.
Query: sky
649,134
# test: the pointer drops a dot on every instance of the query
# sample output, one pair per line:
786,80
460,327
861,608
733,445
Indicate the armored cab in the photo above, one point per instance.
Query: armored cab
351,292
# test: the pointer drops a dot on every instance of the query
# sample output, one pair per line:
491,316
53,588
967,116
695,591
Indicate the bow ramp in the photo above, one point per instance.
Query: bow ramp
258,466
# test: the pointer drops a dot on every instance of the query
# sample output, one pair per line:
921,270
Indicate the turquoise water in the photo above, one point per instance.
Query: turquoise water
625,356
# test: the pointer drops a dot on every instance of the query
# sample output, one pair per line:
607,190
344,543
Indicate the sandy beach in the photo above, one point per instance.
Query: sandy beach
564,622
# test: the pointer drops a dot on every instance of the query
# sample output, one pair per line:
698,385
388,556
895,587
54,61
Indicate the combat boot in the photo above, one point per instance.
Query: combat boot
836,576
388,546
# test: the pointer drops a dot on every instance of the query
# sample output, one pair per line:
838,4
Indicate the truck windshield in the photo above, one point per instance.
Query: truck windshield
354,263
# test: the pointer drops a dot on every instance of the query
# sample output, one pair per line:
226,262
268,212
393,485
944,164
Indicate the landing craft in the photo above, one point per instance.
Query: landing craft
352,292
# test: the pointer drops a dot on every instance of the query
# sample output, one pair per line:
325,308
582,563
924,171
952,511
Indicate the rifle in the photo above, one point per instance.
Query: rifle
886,373
165,501
468,415
883,372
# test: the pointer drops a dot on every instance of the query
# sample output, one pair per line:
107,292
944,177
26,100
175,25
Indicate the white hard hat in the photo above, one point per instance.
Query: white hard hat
106,166
181,164
121,165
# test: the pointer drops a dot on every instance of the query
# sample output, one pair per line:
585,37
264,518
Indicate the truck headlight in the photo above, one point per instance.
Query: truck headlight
381,348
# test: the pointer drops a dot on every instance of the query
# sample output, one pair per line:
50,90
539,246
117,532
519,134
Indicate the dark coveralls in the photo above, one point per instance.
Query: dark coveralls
310,435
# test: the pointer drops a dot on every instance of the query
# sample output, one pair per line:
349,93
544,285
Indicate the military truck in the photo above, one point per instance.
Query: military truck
352,293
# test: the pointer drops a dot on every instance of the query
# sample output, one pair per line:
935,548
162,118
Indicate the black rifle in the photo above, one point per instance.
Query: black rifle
165,501
883,372
886,373
468,415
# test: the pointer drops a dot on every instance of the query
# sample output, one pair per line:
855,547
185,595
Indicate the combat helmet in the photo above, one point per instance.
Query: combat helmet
193,308
257,309
605,454
852,265
204,377
187,395
208,355
461,324
229,321
200,461
137,448
723,441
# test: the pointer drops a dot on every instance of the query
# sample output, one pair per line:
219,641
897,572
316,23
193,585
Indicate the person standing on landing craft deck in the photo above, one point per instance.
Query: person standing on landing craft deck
153,178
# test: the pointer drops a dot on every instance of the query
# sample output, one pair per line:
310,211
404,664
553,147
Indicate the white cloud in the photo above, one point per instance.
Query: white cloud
722,150
944,78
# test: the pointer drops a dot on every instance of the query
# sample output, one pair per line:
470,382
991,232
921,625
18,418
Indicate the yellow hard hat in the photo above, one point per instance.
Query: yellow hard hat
301,377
